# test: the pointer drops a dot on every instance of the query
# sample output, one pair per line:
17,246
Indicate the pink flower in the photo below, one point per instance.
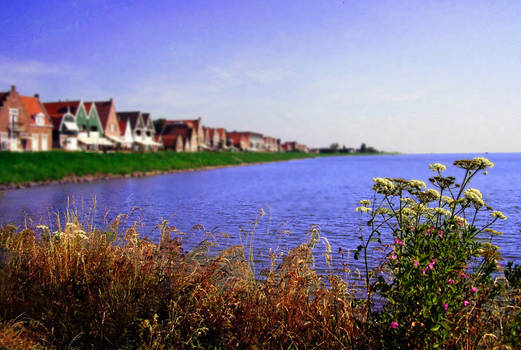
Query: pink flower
466,303
440,233
459,223
428,231
398,241
498,265
463,274
423,271
394,325
431,264
415,263
473,289
451,281
446,306
393,256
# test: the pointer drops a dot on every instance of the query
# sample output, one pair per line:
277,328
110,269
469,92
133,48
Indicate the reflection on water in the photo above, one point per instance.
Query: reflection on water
295,195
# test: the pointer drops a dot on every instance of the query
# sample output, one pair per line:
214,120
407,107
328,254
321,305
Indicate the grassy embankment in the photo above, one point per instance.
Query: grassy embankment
55,165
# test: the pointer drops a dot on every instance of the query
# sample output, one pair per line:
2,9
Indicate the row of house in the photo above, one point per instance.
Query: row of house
27,124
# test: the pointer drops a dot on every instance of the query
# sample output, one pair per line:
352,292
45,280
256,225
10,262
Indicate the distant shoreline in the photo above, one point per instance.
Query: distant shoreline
26,170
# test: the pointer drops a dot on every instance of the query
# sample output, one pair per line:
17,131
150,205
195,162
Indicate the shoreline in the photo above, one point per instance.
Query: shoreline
105,177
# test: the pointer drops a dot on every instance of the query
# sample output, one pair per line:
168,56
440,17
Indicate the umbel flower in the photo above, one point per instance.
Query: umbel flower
474,195
437,167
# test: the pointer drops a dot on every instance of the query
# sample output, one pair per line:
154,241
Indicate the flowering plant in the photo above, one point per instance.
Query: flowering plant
436,271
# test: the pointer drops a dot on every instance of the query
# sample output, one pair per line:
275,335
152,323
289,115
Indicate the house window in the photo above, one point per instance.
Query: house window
3,141
39,120
13,115
35,142
112,128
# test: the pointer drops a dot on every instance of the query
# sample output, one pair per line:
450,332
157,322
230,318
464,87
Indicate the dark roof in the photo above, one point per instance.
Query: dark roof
131,116
58,109
3,96
103,108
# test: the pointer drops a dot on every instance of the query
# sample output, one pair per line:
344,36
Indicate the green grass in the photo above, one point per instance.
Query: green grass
55,165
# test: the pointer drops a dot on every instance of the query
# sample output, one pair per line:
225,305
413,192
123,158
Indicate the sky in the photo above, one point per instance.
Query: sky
406,76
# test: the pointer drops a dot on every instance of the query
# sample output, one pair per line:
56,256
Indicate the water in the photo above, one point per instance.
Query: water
294,195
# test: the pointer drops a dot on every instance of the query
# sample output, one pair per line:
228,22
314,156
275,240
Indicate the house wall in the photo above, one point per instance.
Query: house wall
41,134
112,127
13,101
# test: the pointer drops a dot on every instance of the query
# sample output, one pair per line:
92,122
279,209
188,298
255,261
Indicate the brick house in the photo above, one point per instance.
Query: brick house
198,130
109,121
294,146
271,144
246,140
179,137
24,123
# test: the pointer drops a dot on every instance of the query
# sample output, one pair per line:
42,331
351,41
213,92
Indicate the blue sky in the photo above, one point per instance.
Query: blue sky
409,76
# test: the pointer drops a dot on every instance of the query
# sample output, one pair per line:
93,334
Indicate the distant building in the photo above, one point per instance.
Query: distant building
179,137
293,146
86,134
142,130
271,144
24,123
246,140
109,122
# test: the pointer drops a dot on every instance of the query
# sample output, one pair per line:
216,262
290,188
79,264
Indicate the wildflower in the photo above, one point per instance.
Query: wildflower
440,233
447,199
398,242
445,306
434,193
437,167
415,263
408,200
473,289
365,202
394,257
483,162
383,186
394,325
463,275
451,281
424,270
466,303
498,265
383,211
475,196
418,184
431,265
428,231
442,211
498,214
363,209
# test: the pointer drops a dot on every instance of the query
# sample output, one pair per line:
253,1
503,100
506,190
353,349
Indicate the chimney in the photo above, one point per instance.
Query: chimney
13,88
37,96
111,100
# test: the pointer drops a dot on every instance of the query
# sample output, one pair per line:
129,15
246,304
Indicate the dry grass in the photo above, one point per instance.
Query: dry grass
86,288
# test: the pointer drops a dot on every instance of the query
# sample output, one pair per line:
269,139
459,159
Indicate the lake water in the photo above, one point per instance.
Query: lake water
294,195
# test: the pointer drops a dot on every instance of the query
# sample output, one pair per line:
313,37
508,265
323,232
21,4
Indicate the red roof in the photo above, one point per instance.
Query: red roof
122,126
33,106
58,109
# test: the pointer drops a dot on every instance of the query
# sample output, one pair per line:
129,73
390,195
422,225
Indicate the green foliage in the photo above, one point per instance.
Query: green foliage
439,269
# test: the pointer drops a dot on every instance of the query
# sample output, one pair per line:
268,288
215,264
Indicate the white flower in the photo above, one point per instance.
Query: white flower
433,193
442,211
447,199
437,167
363,209
483,162
475,196
417,184
498,214
365,202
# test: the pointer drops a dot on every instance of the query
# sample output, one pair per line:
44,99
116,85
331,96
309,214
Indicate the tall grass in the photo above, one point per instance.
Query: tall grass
81,287
109,289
